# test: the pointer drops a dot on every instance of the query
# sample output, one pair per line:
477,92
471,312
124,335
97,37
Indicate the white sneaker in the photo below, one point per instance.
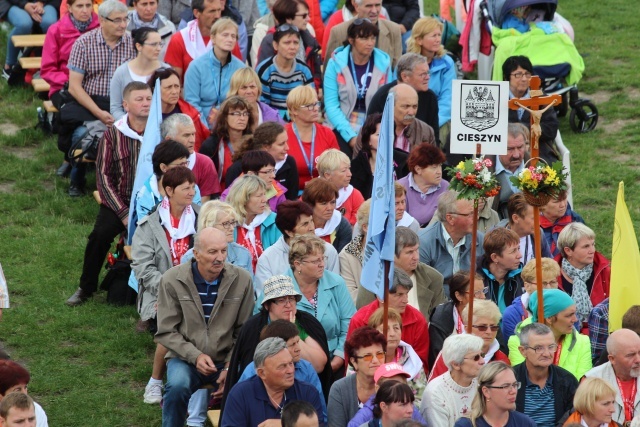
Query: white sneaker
153,394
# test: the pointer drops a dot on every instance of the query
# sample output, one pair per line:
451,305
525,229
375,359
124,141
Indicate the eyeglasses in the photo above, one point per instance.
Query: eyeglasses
291,299
302,15
318,262
540,349
311,106
479,292
287,27
118,21
267,172
360,21
240,114
155,45
369,357
483,328
461,214
515,386
546,285
228,225
520,75
475,358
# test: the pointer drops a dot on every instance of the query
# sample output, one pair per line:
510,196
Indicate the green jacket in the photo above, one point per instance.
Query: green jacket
575,356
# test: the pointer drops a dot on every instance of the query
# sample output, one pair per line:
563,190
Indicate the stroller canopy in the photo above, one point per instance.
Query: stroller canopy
548,6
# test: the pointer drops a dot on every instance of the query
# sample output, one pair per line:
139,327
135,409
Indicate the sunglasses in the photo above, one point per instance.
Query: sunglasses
360,21
287,27
369,357
475,358
483,328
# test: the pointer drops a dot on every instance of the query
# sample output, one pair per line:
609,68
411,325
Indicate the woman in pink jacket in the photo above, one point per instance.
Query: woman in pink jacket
57,48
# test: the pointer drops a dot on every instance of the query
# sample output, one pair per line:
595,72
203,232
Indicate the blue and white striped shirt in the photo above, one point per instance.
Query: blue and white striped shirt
208,291
539,403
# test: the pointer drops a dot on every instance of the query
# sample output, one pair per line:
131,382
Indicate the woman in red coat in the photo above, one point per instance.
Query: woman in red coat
585,273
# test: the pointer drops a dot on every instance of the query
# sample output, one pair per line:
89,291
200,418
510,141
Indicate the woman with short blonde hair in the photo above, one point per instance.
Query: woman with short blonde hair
257,229
594,404
426,39
246,83
335,166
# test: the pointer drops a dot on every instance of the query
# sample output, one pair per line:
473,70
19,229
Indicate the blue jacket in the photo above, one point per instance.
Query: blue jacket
206,82
513,315
433,250
443,72
340,90
269,233
335,309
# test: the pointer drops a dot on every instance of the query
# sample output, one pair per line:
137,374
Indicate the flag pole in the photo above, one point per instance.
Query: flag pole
385,303
472,265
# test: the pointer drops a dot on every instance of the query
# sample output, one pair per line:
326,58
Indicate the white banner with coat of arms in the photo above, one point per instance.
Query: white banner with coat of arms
479,115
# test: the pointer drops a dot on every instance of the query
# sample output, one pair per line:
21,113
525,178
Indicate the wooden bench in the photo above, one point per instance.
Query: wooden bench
49,108
40,85
214,417
28,40
30,63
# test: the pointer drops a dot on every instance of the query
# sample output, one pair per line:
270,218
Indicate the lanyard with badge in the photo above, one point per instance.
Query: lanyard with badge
308,160
361,91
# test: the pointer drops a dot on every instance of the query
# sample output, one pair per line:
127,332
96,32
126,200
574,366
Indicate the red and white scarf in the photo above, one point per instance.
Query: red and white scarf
185,228
193,41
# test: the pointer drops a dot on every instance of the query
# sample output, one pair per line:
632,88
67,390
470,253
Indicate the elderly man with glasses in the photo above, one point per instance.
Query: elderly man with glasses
547,390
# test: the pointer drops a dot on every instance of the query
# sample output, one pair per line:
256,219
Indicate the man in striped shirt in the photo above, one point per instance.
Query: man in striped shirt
546,390
115,171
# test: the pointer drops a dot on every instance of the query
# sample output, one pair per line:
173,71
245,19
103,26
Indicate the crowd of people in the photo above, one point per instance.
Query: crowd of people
248,240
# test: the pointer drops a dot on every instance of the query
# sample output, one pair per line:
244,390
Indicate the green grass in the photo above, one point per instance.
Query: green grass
89,367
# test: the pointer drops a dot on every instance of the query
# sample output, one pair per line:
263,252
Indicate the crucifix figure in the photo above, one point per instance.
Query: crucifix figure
532,105
536,100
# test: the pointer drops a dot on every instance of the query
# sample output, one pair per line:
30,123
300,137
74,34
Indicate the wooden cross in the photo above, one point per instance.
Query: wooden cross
532,105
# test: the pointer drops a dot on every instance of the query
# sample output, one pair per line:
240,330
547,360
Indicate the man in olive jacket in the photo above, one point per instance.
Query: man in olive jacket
201,308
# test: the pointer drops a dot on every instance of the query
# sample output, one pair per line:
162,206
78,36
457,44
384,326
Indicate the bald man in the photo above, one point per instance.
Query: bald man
409,131
622,372
201,308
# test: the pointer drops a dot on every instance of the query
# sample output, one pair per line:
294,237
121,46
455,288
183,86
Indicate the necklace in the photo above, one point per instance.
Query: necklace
279,407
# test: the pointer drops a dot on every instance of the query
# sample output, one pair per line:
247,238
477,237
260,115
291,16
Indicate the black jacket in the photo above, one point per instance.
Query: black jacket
403,12
440,327
287,175
512,283
549,126
362,176
564,387
427,107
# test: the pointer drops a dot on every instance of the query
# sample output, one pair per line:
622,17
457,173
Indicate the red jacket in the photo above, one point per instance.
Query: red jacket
315,18
414,328
601,278
202,132
56,50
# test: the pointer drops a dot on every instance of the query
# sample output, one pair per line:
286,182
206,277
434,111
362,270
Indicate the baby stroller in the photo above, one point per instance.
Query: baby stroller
502,16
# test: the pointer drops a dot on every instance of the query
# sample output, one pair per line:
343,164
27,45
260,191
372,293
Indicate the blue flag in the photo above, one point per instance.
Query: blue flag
144,168
381,235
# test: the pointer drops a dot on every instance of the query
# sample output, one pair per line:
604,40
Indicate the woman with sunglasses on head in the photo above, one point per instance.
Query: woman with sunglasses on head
399,351
148,43
519,310
495,401
447,318
365,352
246,83
206,81
449,396
263,165
172,103
486,325
283,72
324,294
307,138
353,75
295,13
233,123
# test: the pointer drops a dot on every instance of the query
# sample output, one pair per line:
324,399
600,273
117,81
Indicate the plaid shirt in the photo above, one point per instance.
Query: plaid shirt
116,169
92,57
599,328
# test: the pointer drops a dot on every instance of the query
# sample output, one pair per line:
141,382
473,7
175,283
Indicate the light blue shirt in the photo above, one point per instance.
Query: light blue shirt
501,169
